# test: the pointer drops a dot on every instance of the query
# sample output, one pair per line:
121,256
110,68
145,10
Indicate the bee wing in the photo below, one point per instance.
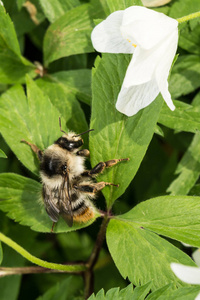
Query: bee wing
50,200
65,202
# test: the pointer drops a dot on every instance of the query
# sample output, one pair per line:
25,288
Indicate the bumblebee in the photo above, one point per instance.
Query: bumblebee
67,187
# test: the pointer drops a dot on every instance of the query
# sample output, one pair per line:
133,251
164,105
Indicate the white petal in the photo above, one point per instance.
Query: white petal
145,27
197,297
186,273
131,100
162,72
106,37
142,66
196,257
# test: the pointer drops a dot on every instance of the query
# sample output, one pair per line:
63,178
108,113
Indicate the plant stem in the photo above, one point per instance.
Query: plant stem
189,17
88,275
75,268
4,271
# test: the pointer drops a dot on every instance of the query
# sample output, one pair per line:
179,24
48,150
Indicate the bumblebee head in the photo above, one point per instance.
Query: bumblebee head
69,141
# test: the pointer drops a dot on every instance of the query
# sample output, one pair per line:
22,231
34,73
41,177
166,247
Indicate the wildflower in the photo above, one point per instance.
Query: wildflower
152,38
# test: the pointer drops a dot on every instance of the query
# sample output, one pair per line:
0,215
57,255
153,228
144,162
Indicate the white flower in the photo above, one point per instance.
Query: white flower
187,274
152,38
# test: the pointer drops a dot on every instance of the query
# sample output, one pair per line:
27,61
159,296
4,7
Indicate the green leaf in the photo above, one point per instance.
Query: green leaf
37,122
119,136
64,290
13,66
189,40
70,34
66,104
182,293
141,255
21,199
20,3
185,75
188,169
180,8
63,89
173,216
53,9
2,154
8,37
120,5
138,293
184,118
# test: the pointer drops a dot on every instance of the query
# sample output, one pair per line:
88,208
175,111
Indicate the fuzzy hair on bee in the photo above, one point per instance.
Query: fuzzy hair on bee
67,187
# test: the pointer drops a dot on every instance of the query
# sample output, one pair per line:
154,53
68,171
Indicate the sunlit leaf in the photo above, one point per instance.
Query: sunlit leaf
116,135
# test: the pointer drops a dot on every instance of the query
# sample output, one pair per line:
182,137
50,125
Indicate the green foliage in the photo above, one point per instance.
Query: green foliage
184,118
120,5
2,154
13,67
64,290
188,169
184,76
138,293
69,35
1,254
133,135
55,9
168,293
132,240
81,87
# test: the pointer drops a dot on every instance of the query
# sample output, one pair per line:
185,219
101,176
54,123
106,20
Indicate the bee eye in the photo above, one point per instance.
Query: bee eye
64,168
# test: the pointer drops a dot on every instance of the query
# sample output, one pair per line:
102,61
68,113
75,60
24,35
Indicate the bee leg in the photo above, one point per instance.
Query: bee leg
34,149
102,165
52,227
93,188
83,152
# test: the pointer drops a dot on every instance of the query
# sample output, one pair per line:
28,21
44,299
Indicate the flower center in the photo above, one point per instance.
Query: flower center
134,45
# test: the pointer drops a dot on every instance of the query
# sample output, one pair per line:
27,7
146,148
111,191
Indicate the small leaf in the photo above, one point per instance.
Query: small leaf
54,9
138,293
2,154
188,169
64,290
117,135
21,199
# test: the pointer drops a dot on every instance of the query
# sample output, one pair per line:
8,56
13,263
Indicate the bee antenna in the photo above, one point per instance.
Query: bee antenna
83,132
61,127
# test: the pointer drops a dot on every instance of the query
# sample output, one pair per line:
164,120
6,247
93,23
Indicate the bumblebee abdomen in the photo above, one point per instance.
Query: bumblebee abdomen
82,208
86,215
